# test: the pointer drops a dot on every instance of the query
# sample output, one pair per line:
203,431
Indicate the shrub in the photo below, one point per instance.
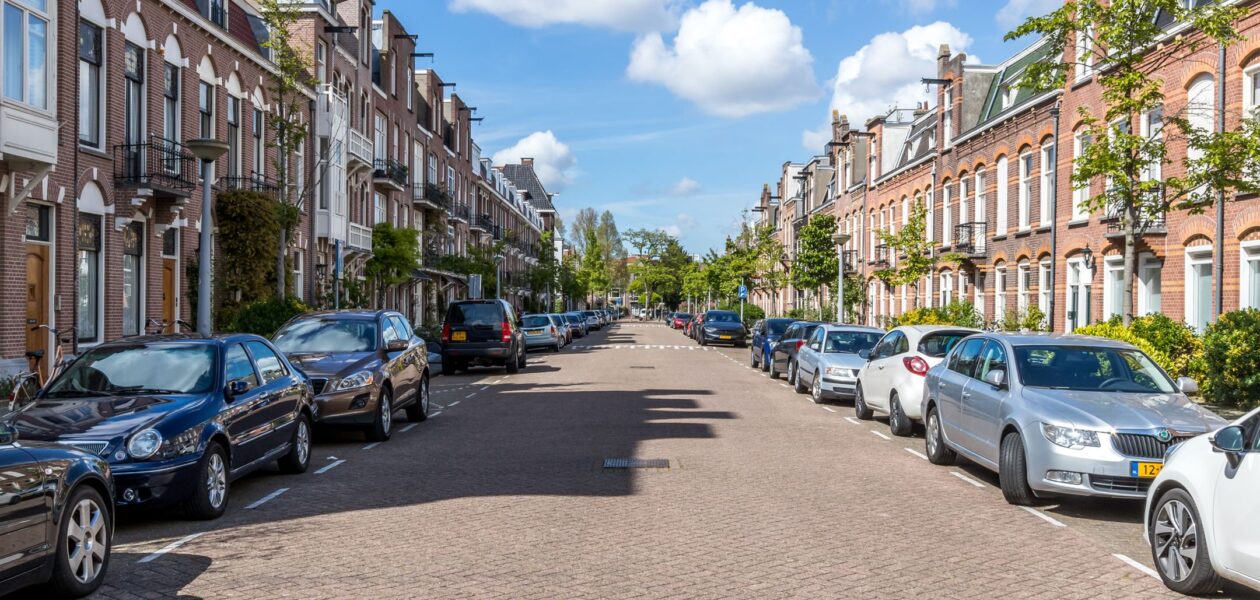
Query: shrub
1029,319
752,312
958,314
1231,360
266,316
1116,331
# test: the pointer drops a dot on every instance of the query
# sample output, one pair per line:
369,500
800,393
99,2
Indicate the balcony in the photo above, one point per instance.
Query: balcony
496,232
481,223
158,165
460,212
879,258
851,259
360,238
1147,224
389,175
430,196
254,183
972,239
359,149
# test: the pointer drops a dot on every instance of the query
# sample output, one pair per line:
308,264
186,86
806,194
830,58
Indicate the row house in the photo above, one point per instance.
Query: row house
513,226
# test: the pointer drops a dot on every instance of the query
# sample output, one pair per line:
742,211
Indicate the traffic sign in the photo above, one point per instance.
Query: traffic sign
743,292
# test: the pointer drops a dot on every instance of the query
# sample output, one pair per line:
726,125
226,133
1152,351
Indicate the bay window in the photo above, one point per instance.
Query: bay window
25,36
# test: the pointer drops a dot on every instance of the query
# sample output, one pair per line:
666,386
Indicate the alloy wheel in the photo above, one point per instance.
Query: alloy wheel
933,433
303,441
86,541
387,413
216,481
424,395
816,390
1176,539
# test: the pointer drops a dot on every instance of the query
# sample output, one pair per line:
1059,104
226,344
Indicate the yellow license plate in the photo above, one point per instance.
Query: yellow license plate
459,336
534,332
724,337
1145,470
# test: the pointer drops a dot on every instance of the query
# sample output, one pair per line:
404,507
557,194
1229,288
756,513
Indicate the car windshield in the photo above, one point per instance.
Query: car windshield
1090,369
332,336
573,318
937,345
475,313
682,316
851,342
721,318
536,321
778,326
138,369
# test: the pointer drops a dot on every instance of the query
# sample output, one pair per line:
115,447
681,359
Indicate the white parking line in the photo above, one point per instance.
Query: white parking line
171,546
484,388
408,427
436,414
852,420
916,453
265,499
470,395
1043,516
454,403
328,467
967,479
1137,565
497,380
372,445
829,409
882,436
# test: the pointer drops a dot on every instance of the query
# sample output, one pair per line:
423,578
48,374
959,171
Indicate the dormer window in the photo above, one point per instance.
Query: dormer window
215,10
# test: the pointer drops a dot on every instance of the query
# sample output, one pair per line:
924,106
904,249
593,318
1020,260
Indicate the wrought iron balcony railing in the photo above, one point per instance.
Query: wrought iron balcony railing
157,162
879,258
432,195
461,212
390,170
972,239
255,182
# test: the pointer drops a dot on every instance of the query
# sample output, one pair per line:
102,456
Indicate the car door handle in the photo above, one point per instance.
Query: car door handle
881,366
966,394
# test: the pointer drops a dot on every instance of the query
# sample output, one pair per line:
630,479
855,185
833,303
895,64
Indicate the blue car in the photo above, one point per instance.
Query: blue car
765,335
179,417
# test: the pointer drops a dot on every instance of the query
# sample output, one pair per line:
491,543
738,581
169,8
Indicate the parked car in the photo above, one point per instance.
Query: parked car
891,381
723,327
1054,414
483,333
58,516
593,323
694,325
562,325
179,417
765,333
679,320
1200,511
578,323
434,349
783,352
827,365
540,332
363,365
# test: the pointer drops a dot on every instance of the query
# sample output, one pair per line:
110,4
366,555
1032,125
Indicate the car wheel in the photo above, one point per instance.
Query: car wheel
774,373
82,551
1178,546
513,364
383,422
299,456
1013,471
752,359
419,410
524,357
791,372
815,390
765,361
210,493
860,408
798,384
898,422
937,452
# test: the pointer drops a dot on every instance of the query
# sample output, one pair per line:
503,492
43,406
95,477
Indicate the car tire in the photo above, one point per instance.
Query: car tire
774,373
934,441
299,456
555,347
798,385
898,423
210,485
383,422
815,390
791,372
89,513
752,359
860,409
513,364
1013,471
765,361
419,410
521,362
1199,579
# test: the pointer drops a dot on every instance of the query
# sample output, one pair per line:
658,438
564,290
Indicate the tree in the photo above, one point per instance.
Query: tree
395,251
1126,48
570,284
594,268
913,252
816,262
769,254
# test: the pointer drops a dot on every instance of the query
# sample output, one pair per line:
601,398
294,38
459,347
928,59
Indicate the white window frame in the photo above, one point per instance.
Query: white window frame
1149,301
931,213
977,292
1196,256
1024,211
947,227
1003,195
981,181
1047,183
1200,109
102,68
963,217
1081,279
1249,252
1251,81
50,71
1023,279
947,288
1080,193
1113,287
999,293
1149,130
947,123
1084,45
1044,293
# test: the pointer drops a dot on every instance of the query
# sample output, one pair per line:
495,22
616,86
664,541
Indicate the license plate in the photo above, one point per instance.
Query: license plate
1145,470
533,331
459,336
724,337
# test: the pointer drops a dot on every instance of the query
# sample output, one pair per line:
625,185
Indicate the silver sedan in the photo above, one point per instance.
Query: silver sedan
828,364
1055,414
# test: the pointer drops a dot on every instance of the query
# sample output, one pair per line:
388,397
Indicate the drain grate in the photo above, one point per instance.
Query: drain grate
641,367
636,463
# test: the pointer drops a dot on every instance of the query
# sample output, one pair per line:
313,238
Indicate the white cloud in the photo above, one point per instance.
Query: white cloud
1016,11
553,161
682,224
729,61
684,187
886,72
623,15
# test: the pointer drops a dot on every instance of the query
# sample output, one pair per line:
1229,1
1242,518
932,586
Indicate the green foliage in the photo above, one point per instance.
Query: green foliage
1029,319
816,262
1175,339
1117,331
752,312
245,253
1231,359
594,267
266,316
913,251
957,313
395,253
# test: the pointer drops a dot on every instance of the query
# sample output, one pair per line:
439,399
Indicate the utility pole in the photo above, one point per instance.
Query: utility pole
208,150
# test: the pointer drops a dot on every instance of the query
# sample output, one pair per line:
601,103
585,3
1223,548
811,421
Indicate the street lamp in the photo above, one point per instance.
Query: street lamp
841,240
207,150
498,275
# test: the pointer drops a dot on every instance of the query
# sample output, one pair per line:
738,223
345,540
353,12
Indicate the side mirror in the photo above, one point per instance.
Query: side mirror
236,388
815,347
8,434
1187,386
996,378
864,354
1229,440
396,345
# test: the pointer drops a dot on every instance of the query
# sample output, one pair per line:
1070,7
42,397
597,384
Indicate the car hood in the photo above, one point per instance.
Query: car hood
317,364
98,418
1114,411
843,360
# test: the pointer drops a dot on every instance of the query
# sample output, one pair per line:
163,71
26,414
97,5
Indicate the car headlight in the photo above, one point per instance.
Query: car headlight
184,443
144,444
1069,437
839,372
358,380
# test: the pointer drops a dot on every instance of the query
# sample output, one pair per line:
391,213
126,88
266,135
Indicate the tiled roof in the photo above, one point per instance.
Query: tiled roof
524,178
1008,75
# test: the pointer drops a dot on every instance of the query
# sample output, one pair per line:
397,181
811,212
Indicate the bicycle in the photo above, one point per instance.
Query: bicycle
160,326
28,383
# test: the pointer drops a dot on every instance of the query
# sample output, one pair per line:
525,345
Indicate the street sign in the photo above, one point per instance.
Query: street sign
743,292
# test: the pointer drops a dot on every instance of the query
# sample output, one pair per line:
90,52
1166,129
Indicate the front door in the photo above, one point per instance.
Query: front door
953,385
243,418
37,301
170,310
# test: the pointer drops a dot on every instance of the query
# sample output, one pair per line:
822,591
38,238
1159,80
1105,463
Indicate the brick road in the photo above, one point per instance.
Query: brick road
502,494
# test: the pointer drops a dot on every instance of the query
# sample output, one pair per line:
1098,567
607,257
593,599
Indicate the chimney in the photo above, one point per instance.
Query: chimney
529,162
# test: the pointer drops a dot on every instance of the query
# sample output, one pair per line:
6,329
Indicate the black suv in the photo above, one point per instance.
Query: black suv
482,332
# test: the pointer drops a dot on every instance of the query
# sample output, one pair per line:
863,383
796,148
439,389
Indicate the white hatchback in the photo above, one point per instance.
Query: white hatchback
1202,518
891,382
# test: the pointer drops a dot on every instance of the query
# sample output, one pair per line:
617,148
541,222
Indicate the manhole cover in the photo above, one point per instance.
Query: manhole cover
636,463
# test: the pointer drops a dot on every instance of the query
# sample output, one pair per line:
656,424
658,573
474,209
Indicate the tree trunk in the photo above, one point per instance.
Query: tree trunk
1130,257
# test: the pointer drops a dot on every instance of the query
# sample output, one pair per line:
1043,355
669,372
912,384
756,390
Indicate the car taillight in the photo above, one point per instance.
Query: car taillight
916,365
507,332
799,343
553,330
446,332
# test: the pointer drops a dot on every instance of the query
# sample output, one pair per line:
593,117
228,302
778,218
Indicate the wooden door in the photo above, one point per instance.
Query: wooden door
170,311
37,300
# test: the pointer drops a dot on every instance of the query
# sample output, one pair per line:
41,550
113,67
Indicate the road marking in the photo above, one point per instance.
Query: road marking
171,546
408,427
967,479
484,388
829,409
852,420
916,453
882,435
1137,565
267,498
470,395
497,380
328,467
372,445
783,384
1043,516
453,404
436,414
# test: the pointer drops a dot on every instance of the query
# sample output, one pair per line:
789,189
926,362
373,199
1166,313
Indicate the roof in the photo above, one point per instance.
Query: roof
1060,339
921,140
525,179
1009,74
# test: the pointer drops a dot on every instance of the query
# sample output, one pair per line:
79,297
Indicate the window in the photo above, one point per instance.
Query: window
931,214
1079,294
450,181
269,365
25,51
1003,194
947,122
299,169
947,228
233,136
433,170
132,278
1200,111
1250,281
1047,182
393,74
410,84
321,61
1080,193
1199,287
378,204
964,360
947,288
1025,191
170,103
1150,282
1251,91
999,294
1113,287
1153,128
88,286
133,94
1023,276
238,367
963,217
215,11
299,264
381,135
977,291
981,184
1008,95
260,145
1084,54
90,60
205,109
1043,286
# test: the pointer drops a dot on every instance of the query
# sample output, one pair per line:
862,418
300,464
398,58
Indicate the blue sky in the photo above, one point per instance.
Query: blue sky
673,113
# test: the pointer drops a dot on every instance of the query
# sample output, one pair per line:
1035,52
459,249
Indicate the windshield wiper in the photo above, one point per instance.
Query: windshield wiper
139,390
77,394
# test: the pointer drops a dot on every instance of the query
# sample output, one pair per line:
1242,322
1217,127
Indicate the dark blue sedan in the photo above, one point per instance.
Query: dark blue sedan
765,335
179,417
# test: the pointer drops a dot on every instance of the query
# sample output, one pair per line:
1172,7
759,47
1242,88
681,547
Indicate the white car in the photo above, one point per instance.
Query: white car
891,381
1202,518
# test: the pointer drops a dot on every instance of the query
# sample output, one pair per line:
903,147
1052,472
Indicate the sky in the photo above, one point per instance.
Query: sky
672,114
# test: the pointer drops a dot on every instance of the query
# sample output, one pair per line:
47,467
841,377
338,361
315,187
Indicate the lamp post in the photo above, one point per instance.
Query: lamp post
498,275
841,240
207,150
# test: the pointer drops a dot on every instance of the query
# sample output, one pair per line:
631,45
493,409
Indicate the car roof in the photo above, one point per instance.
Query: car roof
350,313
1056,339
846,327
187,338
931,328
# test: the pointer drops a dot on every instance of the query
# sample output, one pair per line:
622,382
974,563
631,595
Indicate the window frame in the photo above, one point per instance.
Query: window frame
97,108
47,16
